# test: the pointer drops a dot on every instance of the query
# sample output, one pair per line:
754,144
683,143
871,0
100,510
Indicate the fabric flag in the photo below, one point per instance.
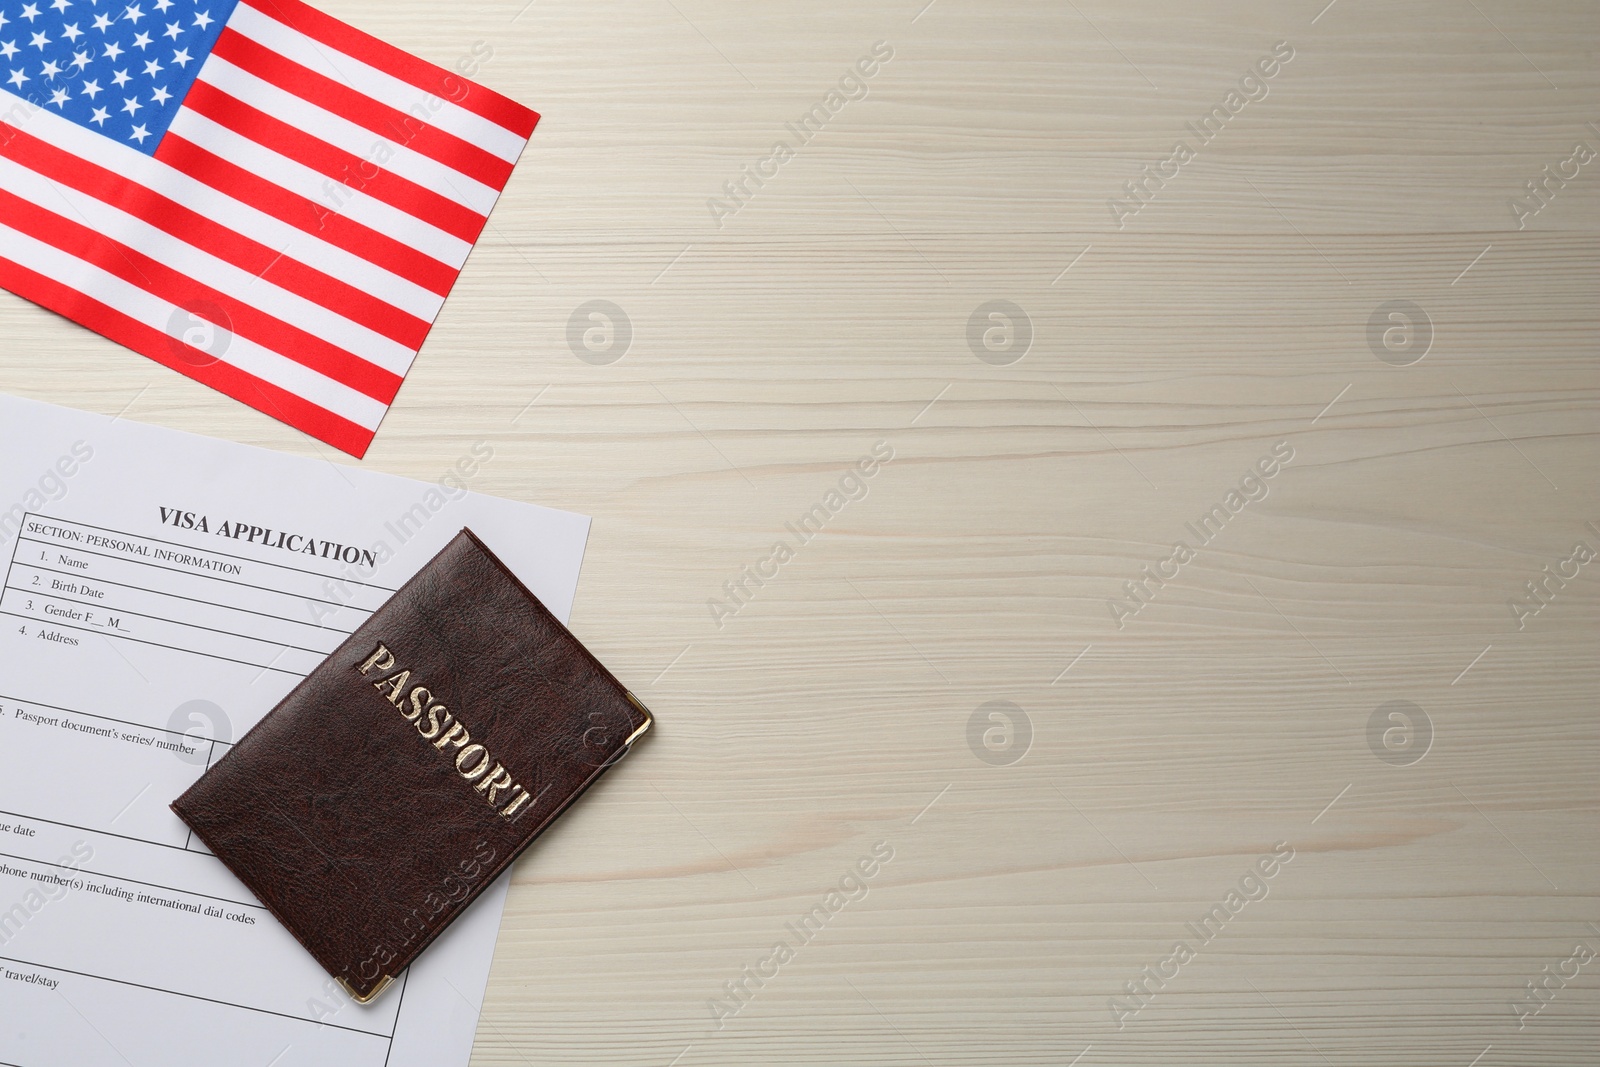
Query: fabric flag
253,194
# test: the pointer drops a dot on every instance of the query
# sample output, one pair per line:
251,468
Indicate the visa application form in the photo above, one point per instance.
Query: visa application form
162,592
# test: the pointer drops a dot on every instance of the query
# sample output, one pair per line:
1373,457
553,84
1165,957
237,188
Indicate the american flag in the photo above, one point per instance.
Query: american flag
251,193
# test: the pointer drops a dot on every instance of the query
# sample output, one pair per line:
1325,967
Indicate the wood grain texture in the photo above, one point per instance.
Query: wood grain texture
1169,354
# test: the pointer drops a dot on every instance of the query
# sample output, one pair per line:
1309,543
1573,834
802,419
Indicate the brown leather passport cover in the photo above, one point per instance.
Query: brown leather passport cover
372,805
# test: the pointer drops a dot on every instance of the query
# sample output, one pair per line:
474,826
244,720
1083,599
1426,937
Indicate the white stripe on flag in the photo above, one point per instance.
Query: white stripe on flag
297,244
327,193
343,134
158,314
205,268
374,83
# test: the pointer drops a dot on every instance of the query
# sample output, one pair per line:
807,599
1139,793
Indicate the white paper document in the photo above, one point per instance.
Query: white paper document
162,592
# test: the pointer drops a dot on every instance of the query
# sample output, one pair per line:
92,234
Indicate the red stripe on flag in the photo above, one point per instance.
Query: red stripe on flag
242,386
345,167
175,287
388,122
402,65
209,236
322,221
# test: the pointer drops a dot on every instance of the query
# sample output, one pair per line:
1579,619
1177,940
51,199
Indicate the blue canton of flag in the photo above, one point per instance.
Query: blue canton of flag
119,69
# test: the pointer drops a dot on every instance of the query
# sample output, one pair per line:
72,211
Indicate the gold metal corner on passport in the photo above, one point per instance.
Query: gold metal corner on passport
649,719
377,990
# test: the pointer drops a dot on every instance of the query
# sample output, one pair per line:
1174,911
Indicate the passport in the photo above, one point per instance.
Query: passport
390,787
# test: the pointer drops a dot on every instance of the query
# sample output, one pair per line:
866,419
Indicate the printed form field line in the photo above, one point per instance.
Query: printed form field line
123,878
189,548
133,558
49,533
194,600
158,644
195,996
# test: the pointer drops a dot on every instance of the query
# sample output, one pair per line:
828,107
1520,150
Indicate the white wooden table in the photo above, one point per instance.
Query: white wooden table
1151,350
